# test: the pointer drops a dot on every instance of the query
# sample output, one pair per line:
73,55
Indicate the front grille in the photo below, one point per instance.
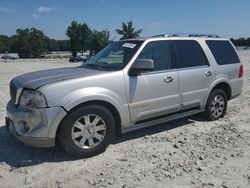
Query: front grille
13,91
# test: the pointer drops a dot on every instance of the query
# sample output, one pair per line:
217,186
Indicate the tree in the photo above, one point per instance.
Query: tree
22,46
52,45
5,43
29,43
241,41
100,39
128,31
63,45
73,32
79,37
85,37
37,41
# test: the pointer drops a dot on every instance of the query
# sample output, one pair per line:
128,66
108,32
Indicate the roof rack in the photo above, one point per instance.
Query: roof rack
187,35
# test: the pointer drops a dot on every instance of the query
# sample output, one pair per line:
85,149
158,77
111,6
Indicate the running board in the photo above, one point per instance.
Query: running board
162,120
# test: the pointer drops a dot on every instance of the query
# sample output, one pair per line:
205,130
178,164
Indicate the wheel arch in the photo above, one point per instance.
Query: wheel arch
220,84
225,87
105,104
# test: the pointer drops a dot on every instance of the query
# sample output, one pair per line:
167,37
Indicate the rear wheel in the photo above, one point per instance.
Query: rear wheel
87,131
216,105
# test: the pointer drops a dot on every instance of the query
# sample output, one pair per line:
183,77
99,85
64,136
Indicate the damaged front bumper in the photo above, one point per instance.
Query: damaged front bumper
34,127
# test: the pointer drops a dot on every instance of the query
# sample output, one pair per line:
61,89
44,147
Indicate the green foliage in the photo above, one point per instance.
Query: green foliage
82,38
63,45
51,45
100,39
5,43
79,37
29,43
241,41
128,31
32,43
85,37
73,32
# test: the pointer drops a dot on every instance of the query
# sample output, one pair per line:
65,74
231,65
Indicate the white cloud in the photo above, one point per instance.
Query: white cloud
36,16
5,10
44,9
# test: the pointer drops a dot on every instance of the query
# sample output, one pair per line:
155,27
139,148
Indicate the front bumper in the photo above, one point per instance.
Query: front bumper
34,127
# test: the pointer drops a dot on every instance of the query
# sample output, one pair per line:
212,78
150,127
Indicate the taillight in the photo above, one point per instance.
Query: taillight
241,71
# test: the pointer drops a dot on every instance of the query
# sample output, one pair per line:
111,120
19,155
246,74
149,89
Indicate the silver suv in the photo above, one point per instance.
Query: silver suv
129,85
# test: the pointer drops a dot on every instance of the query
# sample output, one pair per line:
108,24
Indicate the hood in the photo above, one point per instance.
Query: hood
34,80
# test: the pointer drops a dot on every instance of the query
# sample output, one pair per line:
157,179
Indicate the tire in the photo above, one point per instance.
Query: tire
80,129
217,101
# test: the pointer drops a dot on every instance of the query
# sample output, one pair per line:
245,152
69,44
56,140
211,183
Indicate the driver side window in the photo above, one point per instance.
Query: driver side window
161,53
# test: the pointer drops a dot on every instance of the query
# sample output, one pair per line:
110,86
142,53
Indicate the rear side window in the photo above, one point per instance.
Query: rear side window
161,52
223,52
189,54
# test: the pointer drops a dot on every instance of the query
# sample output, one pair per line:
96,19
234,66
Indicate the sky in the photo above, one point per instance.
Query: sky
227,18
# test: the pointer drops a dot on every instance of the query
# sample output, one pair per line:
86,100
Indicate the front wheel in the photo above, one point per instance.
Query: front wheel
216,105
87,131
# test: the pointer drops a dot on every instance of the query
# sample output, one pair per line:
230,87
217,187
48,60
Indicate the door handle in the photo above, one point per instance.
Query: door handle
208,73
168,79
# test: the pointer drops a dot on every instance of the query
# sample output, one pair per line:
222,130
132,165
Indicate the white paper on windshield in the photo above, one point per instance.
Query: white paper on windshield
129,45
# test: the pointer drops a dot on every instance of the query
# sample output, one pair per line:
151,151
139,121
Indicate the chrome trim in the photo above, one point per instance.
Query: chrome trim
208,73
18,94
168,79
174,70
19,90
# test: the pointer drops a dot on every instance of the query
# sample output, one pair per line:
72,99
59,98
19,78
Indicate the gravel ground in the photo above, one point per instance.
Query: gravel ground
190,152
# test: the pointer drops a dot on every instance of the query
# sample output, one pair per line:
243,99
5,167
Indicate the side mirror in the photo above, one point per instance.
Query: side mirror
140,66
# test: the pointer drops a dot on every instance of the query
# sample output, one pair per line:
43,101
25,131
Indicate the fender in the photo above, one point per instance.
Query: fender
213,85
92,93
84,95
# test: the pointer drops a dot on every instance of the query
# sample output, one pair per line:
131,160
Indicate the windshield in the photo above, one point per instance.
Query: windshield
115,56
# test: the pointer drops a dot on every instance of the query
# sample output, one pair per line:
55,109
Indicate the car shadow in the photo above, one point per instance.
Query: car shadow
149,131
16,154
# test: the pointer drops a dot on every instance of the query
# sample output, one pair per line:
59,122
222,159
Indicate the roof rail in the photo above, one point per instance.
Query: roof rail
187,35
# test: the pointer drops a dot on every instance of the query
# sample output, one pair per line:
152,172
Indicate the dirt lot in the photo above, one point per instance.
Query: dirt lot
186,153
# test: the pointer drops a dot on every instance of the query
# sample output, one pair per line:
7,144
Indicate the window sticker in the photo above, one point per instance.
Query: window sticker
129,45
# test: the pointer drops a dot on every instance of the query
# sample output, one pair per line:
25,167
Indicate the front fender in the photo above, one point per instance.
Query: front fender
84,95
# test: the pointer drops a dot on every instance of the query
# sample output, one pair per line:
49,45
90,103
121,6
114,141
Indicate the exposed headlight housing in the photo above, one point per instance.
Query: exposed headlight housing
32,99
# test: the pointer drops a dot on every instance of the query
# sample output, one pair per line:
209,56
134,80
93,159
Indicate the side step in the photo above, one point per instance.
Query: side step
162,120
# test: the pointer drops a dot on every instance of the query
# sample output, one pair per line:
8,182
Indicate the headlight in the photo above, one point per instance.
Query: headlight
32,99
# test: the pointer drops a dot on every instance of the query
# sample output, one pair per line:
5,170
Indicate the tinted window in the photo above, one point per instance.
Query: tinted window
161,53
189,54
223,52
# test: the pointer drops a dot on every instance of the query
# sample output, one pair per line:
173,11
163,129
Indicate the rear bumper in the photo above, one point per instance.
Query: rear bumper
33,126
236,85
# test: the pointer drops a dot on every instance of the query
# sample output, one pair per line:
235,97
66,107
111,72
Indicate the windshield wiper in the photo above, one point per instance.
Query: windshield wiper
95,66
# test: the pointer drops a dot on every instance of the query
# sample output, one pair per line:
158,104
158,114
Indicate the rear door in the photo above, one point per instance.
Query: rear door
195,73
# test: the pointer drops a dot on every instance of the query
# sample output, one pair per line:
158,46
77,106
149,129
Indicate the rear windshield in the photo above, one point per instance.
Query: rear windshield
223,52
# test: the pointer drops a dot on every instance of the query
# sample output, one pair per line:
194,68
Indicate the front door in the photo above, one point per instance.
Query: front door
154,93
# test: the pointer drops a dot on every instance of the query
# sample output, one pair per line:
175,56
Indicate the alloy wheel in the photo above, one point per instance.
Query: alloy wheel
88,131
